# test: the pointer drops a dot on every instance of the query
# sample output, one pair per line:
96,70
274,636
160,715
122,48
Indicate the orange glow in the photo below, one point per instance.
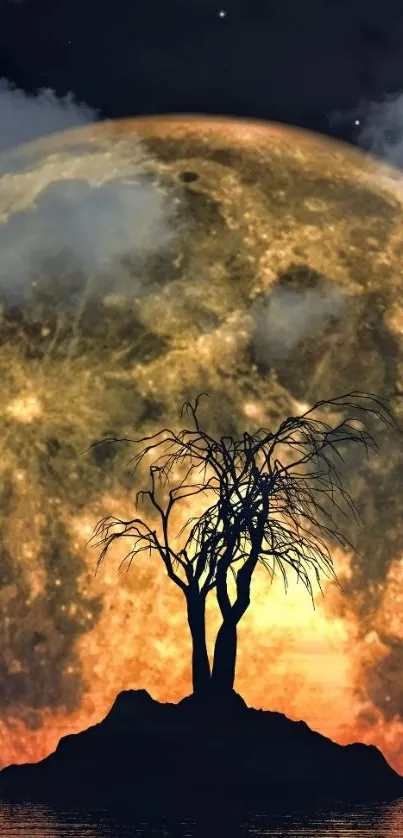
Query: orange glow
270,217
294,659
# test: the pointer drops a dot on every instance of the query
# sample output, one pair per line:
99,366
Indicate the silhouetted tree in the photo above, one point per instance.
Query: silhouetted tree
187,566
269,499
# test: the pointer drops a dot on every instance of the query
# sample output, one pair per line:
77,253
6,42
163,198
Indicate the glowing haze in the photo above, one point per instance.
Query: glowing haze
144,262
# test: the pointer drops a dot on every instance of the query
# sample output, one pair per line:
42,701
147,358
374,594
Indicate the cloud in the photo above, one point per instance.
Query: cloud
381,129
289,317
110,231
25,117
89,210
379,126
103,209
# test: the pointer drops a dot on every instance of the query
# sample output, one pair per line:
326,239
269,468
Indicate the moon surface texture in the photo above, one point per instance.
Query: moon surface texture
142,262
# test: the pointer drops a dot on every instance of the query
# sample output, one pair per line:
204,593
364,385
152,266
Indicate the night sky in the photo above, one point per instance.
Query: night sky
325,66
329,66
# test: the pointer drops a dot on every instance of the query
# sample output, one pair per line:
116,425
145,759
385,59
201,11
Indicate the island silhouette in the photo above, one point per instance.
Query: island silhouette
269,497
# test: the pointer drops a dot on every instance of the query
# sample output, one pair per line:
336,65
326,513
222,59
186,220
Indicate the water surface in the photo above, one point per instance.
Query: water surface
39,821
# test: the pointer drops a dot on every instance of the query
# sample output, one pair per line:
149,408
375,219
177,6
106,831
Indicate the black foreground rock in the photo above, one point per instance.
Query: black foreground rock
178,753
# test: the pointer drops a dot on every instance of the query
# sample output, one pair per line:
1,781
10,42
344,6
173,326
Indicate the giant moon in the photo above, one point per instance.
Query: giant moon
143,262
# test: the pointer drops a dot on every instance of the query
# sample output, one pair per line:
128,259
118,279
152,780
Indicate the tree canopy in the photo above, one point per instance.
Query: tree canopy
268,498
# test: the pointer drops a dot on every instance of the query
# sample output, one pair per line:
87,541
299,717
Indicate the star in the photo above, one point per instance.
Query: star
222,13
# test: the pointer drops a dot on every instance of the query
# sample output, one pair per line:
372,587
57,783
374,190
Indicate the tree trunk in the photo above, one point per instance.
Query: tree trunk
223,675
224,663
196,609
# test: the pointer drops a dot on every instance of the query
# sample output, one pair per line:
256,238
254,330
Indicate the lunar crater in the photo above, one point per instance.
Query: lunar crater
142,263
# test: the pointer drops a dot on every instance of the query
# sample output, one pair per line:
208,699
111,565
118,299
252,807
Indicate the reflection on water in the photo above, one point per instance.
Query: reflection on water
378,821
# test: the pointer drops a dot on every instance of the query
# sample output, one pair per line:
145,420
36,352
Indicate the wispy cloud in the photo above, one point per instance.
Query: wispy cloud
289,316
378,126
94,210
381,129
25,117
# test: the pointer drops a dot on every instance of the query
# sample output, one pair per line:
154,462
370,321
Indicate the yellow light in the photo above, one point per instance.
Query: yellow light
25,409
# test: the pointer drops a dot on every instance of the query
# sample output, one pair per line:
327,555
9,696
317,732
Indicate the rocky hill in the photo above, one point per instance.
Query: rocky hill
144,750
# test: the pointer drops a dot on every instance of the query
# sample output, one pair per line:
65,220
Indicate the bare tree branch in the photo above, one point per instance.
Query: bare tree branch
269,498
